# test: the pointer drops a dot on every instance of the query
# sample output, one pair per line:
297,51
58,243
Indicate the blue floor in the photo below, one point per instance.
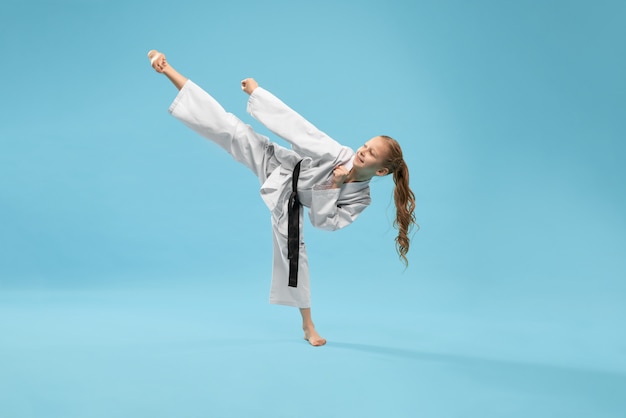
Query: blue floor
190,350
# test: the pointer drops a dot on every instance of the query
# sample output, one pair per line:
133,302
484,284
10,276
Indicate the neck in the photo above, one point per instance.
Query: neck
356,175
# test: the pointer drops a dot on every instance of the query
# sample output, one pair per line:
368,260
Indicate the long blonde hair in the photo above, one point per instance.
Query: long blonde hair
403,197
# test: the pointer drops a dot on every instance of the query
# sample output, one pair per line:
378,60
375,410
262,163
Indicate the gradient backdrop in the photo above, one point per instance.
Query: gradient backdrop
135,257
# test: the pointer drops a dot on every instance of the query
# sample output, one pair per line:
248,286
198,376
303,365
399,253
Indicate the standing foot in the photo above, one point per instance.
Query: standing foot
311,335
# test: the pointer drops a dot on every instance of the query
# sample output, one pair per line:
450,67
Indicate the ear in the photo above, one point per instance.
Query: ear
382,171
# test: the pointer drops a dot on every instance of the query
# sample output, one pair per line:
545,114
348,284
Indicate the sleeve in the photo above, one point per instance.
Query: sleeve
285,122
326,213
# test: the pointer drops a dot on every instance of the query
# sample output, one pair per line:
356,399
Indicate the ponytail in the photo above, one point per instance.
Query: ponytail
403,197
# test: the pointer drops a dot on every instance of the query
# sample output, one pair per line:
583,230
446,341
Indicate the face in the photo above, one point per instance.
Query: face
372,155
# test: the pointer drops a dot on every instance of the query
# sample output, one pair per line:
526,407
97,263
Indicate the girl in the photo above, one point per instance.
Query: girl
331,180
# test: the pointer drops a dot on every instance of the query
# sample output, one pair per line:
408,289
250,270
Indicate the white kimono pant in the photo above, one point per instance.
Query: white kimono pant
202,113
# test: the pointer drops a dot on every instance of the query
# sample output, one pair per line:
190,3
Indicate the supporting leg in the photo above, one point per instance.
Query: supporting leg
160,64
310,334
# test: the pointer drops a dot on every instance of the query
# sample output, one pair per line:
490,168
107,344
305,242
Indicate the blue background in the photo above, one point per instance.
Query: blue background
135,257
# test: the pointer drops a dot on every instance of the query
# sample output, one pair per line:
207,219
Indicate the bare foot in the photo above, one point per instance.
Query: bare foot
311,335
157,60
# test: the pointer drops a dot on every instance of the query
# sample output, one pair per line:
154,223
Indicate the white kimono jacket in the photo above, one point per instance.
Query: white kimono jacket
329,208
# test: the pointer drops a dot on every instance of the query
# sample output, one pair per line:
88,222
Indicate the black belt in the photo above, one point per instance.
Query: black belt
293,228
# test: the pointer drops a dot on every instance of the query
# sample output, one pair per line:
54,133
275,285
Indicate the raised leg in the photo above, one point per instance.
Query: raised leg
202,113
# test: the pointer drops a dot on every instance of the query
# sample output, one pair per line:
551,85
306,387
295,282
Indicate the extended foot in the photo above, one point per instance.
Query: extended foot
311,335
157,60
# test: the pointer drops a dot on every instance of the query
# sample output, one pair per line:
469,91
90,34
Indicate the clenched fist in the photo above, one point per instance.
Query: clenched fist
248,85
340,175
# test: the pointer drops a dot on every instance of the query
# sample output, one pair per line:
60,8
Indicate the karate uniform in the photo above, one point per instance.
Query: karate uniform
328,208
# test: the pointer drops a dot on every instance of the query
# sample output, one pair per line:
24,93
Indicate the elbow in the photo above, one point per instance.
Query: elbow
325,224
329,223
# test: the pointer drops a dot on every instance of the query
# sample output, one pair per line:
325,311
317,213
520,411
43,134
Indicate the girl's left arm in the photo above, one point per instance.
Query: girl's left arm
326,213
285,122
